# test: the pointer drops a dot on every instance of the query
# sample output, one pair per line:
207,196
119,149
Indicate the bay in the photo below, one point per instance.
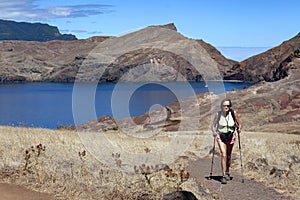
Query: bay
49,105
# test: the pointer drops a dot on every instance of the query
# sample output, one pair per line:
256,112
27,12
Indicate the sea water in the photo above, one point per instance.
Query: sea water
49,105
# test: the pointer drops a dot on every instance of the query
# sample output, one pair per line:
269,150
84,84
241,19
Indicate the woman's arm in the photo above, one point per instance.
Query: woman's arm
238,121
213,127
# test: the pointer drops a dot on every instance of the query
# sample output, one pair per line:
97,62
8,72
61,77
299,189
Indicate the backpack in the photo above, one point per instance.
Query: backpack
233,116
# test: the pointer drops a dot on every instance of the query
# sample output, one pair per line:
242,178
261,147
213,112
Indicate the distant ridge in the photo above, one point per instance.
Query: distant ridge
11,30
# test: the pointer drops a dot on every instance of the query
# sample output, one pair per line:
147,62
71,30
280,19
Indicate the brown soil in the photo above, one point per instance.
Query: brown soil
14,192
234,189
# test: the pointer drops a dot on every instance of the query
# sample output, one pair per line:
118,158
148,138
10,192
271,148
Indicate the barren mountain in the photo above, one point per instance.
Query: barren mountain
59,61
107,59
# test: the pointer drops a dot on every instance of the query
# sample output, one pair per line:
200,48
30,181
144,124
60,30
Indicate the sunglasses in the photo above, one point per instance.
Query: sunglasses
226,105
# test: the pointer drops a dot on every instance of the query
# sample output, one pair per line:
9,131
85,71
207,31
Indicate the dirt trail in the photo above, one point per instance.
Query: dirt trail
234,189
15,192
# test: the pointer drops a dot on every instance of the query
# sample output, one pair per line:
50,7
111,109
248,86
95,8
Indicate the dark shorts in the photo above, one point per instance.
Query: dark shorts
227,138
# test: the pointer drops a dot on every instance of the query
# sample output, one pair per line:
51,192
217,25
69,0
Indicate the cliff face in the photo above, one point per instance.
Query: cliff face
11,30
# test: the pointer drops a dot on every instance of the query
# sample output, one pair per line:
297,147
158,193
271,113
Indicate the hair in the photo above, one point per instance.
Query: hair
230,104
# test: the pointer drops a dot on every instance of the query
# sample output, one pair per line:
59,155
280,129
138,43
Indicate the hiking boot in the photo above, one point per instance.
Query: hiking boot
227,176
223,180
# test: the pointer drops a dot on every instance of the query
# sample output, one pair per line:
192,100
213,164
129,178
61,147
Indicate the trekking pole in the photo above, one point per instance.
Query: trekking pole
241,158
212,160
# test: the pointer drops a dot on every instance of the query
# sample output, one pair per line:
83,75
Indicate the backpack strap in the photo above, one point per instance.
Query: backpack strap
218,119
233,116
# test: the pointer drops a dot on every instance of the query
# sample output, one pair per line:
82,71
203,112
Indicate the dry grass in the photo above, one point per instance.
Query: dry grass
273,159
56,162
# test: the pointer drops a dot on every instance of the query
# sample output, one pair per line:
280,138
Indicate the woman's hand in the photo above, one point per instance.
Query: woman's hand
215,133
239,130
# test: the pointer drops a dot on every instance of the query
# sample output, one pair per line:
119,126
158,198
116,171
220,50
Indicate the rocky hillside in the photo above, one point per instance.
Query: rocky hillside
11,30
38,61
160,46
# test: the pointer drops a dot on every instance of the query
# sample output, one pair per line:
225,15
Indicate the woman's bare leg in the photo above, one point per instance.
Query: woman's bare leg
222,147
229,148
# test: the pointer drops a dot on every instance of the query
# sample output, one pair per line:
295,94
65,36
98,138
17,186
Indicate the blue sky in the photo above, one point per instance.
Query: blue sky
222,23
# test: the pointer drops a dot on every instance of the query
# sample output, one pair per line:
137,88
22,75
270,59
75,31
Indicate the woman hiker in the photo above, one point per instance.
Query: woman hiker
224,125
